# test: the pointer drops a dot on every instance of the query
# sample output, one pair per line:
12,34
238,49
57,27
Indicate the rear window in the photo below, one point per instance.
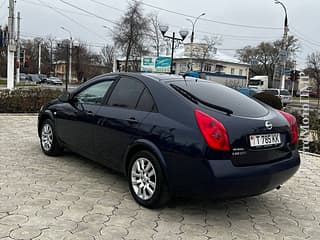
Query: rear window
272,92
223,96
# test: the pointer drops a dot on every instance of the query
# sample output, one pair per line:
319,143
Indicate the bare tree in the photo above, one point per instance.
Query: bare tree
314,70
156,39
107,53
130,32
208,49
264,57
31,48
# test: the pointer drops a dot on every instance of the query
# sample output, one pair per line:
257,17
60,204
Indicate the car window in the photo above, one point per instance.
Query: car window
126,93
146,102
284,92
95,93
272,92
220,95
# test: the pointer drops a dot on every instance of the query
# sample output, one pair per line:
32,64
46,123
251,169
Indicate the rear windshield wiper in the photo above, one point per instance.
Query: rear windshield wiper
197,100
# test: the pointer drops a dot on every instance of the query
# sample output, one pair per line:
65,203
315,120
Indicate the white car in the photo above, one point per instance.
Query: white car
54,81
304,92
283,94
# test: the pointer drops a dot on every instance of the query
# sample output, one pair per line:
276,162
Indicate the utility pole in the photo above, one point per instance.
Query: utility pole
51,56
70,60
70,57
284,46
192,37
18,49
39,59
293,78
11,47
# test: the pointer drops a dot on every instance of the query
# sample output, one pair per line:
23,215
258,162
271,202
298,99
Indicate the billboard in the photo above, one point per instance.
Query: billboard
155,64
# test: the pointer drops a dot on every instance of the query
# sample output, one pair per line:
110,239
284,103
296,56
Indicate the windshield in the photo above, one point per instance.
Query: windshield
254,82
226,98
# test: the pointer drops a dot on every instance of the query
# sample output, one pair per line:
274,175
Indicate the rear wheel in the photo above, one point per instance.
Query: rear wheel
146,180
48,139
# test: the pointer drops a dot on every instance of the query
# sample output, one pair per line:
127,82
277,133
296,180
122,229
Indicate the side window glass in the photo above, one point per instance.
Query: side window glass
94,94
146,102
126,93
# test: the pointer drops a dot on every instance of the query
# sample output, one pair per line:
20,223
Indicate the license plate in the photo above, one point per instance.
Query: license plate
265,139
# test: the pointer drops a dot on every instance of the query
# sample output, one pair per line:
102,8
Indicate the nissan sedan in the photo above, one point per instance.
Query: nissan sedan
174,136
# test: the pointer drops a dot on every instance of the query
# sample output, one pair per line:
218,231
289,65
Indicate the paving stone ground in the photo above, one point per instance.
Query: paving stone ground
70,197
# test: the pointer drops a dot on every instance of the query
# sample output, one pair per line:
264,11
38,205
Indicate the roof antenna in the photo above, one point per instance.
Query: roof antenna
184,78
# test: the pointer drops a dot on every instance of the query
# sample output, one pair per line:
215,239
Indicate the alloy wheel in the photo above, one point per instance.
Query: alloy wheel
46,137
143,178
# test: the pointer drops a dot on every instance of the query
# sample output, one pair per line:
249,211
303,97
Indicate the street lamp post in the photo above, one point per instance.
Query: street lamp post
192,37
183,33
283,53
193,24
114,64
70,57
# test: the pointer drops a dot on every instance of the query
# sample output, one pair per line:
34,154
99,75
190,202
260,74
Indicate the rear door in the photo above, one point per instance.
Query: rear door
119,121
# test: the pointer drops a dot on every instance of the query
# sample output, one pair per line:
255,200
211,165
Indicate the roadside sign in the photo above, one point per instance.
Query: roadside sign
155,64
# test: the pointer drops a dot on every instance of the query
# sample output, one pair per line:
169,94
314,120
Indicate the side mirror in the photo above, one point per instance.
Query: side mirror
65,97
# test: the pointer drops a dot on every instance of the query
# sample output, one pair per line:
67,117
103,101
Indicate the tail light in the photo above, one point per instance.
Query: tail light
293,126
213,131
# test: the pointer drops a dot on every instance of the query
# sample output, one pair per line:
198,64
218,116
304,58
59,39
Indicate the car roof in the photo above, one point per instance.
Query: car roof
155,76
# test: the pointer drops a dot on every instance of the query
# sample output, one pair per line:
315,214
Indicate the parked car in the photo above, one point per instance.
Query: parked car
173,136
43,78
283,94
304,92
249,91
54,81
24,77
34,78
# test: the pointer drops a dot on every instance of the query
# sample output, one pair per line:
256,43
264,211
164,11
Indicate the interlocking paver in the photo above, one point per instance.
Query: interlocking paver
69,197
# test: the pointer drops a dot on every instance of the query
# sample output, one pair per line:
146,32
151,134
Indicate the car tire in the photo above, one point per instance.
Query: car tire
147,183
48,140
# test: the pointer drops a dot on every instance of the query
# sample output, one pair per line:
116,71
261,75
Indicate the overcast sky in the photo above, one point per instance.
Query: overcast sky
241,22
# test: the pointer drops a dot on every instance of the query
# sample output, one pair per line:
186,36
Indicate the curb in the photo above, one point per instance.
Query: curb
310,154
19,114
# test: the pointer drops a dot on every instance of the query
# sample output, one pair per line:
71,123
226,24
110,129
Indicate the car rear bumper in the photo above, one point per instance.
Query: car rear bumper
224,180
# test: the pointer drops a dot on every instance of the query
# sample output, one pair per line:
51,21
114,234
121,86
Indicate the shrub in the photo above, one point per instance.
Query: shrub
26,100
269,99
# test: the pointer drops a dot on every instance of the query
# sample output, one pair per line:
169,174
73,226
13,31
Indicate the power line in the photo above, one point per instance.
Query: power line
83,10
71,19
108,6
60,9
32,36
210,20
305,38
316,42
200,31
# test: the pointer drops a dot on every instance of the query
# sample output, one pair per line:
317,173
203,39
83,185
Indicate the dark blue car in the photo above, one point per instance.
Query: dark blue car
174,136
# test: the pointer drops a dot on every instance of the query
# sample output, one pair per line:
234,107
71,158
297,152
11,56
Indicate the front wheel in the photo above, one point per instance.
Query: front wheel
146,180
48,139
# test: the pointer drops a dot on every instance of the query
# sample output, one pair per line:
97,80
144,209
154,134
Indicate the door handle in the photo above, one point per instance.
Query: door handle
132,120
89,113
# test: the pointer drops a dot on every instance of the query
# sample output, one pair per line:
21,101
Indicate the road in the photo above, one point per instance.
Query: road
70,86
69,197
